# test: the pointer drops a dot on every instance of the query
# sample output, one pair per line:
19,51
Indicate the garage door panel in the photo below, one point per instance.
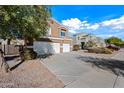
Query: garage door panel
66,47
55,47
46,47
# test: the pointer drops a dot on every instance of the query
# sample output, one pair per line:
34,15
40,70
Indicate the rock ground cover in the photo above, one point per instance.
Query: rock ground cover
31,73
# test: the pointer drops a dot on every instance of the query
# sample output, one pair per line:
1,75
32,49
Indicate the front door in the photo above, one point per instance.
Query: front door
82,45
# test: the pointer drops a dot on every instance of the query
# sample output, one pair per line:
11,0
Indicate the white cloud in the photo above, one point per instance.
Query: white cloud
84,22
93,27
117,23
72,31
75,24
105,35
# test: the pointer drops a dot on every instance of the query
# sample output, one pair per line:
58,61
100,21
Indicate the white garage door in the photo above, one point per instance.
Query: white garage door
46,47
56,47
66,47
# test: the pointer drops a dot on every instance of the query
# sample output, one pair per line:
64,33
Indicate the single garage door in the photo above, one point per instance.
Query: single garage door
66,47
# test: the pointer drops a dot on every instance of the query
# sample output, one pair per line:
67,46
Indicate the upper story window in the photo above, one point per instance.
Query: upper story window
62,34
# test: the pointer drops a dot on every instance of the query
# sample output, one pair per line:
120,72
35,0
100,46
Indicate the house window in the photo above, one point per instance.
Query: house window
62,34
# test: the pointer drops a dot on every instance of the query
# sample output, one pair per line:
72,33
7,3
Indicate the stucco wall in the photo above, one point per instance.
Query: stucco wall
85,38
55,29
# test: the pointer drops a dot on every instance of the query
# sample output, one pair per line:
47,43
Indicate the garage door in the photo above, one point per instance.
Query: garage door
46,47
66,47
56,47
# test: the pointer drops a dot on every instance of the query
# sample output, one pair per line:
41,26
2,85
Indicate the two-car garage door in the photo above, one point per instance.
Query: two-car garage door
48,47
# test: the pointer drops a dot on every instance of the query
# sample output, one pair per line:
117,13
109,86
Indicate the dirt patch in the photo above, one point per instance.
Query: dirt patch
30,74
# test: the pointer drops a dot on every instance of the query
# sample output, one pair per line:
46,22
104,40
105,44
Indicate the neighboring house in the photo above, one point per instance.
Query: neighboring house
82,38
55,41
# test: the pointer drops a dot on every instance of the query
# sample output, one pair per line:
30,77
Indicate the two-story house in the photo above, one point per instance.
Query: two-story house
55,41
82,38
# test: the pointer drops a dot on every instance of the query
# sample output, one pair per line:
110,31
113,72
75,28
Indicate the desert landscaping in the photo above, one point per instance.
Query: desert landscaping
29,74
42,48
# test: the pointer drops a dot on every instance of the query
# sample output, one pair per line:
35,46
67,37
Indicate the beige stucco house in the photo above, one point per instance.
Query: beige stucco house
82,38
55,41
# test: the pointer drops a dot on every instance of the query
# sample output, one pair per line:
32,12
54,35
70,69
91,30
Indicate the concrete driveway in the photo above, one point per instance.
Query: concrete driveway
78,71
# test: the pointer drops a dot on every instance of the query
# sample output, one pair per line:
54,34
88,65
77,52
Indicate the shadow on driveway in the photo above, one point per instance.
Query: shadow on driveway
116,66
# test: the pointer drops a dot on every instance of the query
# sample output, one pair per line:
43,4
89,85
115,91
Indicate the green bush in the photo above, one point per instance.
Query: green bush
76,47
29,54
90,44
116,41
120,44
100,50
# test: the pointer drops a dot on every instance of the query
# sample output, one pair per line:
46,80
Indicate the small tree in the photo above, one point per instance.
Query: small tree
114,40
26,22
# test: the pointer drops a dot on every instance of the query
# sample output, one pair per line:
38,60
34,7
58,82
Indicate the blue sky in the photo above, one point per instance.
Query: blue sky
104,21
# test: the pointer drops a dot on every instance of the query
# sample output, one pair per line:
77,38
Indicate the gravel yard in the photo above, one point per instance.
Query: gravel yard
97,55
30,74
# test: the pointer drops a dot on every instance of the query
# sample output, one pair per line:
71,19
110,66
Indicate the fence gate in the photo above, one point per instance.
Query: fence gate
10,49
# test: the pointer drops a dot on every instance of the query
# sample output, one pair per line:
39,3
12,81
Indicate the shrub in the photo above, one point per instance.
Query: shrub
43,56
100,50
120,44
76,47
29,54
90,44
